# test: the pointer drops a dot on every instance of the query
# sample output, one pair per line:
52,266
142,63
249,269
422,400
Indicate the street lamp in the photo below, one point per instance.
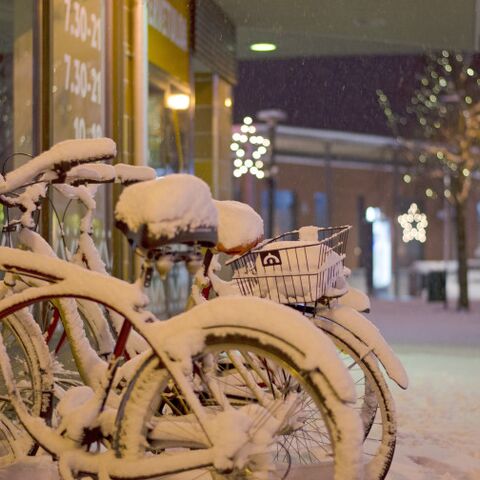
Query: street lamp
272,118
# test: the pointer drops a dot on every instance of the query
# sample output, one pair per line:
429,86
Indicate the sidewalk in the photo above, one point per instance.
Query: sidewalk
416,322
439,415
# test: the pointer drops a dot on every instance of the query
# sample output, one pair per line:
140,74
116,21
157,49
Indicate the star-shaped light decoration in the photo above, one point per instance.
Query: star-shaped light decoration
414,224
249,148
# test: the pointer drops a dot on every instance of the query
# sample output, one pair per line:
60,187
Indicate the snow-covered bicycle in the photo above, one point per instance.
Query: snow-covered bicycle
352,333
172,398
304,269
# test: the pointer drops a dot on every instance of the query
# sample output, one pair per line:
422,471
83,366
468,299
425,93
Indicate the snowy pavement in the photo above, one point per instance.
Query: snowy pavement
439,415
31,468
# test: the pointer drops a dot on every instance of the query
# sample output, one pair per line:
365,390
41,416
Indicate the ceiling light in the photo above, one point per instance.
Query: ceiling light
263,47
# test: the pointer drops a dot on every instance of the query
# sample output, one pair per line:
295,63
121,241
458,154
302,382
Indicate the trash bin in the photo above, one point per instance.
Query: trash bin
437,286
416,283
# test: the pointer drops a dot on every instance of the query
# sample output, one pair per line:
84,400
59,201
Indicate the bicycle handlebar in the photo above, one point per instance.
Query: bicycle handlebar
56,162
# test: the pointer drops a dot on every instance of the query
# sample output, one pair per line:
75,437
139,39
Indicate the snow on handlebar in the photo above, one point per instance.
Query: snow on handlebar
61,158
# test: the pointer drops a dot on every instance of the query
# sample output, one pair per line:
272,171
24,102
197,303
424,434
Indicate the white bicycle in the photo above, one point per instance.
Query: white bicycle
174,398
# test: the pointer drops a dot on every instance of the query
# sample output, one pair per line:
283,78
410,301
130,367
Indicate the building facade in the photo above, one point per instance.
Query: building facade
338,178
134,70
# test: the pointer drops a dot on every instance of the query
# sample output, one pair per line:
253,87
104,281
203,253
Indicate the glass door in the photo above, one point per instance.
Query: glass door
78,108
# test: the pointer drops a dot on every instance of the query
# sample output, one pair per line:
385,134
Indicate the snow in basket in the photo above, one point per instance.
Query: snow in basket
170,204
295,271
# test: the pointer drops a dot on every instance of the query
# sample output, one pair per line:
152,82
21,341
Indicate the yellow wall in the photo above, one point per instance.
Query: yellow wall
213,129
163,51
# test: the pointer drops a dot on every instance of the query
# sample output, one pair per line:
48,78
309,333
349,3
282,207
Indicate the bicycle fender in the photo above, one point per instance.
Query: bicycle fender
367,333
269,320
356,299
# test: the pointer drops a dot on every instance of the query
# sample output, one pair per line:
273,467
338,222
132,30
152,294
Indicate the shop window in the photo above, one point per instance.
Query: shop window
78,105
16,89
78,69
285,211
156,129
168,126
381,248
321,209
15,80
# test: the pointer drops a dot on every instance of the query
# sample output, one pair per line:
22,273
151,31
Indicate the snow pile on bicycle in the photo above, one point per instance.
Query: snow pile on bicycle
266,375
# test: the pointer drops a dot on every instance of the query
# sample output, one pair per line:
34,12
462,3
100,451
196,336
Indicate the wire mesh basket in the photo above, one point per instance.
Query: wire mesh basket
294,268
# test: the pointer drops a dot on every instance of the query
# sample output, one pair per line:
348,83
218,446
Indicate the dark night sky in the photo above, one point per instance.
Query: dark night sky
335,93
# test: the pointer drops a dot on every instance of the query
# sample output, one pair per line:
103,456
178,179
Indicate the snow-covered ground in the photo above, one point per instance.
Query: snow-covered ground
38,468
439,415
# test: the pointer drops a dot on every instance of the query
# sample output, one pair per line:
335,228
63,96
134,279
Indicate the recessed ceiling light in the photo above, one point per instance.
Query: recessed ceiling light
263,47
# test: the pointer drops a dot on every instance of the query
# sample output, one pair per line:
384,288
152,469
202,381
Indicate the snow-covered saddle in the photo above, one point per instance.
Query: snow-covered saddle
240,227
177,208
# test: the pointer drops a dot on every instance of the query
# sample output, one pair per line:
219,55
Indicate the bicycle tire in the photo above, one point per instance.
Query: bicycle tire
34,377
378,416
142,399
10,437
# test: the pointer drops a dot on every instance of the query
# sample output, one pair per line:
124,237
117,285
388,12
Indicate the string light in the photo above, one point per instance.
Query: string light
447,89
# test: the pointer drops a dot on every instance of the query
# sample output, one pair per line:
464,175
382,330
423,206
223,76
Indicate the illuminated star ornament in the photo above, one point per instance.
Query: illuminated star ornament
414,224
248,148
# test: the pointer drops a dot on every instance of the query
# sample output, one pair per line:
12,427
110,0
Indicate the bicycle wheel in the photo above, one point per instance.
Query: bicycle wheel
9,440
74,360
33,377
374,404
51,315
247,375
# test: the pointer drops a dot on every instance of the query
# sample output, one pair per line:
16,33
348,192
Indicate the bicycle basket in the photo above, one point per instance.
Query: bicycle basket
288,269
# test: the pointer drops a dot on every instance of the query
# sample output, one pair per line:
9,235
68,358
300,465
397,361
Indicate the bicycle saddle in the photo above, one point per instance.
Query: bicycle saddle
240,227
177,208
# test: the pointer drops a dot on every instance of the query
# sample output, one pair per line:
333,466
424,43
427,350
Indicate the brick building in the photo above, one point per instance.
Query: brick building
335,178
